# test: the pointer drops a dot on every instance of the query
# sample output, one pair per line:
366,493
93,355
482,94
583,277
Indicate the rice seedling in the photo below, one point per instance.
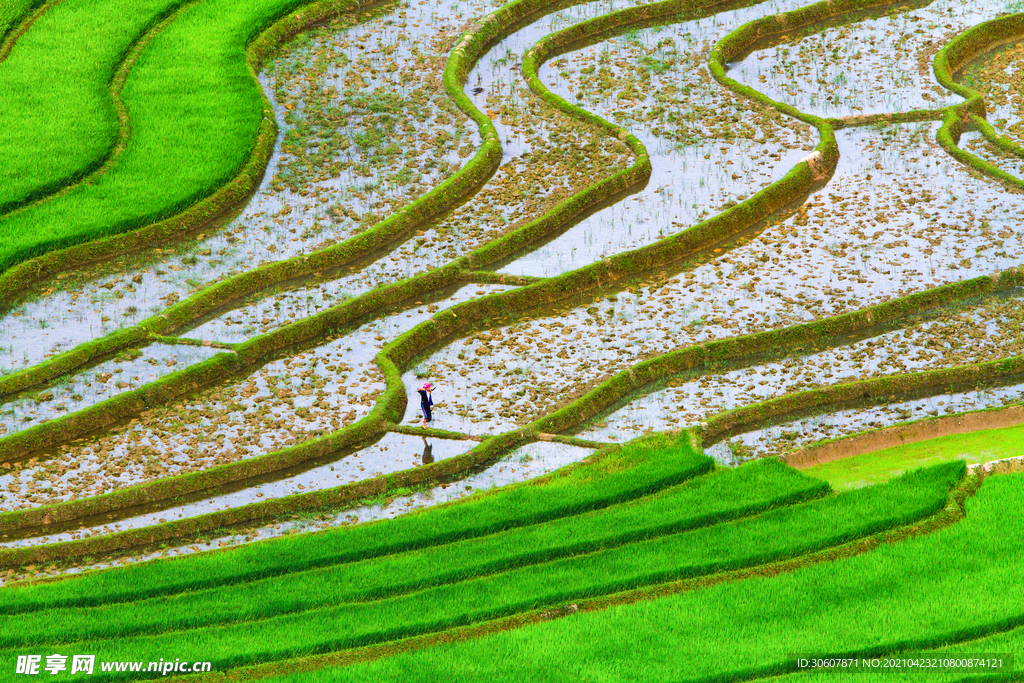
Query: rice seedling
649,514
872,467
638,469
678,509
12,12
184,105
59,122
778,534
879,603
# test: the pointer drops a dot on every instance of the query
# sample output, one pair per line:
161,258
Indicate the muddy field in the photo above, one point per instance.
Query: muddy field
367,128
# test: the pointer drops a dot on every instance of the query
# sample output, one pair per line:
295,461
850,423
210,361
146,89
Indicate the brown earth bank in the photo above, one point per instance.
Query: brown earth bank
897,435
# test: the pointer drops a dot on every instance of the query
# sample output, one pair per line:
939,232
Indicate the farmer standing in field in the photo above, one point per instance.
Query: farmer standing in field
425,402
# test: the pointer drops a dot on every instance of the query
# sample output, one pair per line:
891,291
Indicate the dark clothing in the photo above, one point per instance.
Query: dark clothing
425,402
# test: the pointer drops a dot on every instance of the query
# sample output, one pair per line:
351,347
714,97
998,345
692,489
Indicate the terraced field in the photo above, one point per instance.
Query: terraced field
656,258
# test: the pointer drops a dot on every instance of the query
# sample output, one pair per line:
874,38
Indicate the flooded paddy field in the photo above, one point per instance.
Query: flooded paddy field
351,98
977,144
366,128
991,331
853,70
852,244
284,402
391,453
711,155
782,438
130,369
998,75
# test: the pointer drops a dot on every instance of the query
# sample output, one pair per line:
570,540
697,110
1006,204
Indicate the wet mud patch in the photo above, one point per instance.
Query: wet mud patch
272,312
128,370
978,145
861,68
958,337
285,402
545,151
999,77
392,453
709,149
898,217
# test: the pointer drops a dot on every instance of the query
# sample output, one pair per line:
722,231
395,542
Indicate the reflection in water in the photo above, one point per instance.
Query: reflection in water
428,452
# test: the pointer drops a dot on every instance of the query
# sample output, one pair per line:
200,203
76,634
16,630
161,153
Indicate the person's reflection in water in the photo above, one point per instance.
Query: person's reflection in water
428,452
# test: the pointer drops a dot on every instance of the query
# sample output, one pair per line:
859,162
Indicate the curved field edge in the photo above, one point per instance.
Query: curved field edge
822,333
634,379
693,506
970,114
221,294
906,433
614,475
127,336
544,424
798,612
874,391
741,543
262,347
236,288
16,18
402,351
444,470
948,512
742,39
16,278
92,162
955,55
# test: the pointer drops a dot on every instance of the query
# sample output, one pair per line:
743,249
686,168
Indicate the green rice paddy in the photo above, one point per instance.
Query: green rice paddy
384,600
12,12
637,248
195,115
73,120
877,466
881,603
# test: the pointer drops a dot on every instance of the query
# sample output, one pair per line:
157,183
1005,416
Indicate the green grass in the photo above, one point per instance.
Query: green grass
703,502
59,121
780,533
639,468
959,583
12,12
195,110
879,466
